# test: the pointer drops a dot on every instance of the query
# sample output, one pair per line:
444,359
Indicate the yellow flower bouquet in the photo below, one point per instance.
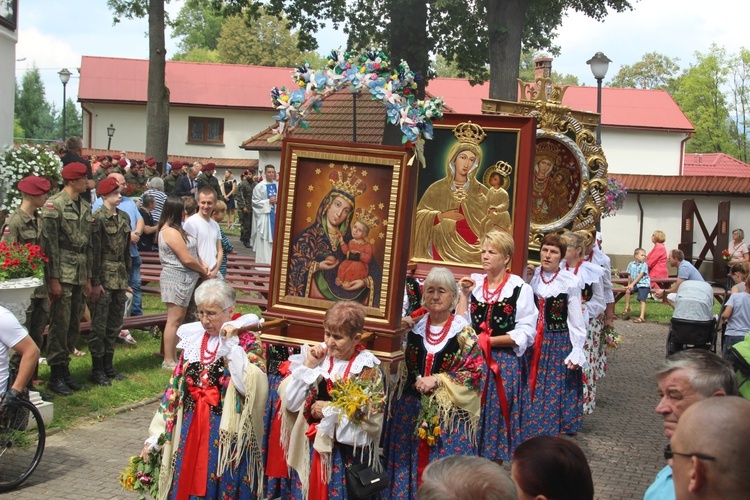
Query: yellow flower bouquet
142,476
356,399
428,422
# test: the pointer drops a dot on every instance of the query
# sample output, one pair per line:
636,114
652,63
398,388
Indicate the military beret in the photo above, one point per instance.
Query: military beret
107,186
177,164
101,158
73,171
150,161
208,166
116,157
149,158
122,163
33,185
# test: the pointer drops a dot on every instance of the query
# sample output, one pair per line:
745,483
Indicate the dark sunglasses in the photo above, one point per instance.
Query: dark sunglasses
669,454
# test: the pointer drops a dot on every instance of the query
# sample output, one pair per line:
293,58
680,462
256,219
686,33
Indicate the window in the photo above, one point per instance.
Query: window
205,130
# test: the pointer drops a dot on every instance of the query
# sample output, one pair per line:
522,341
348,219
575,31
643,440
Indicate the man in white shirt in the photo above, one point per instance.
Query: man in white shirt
14,336
206,230
264,215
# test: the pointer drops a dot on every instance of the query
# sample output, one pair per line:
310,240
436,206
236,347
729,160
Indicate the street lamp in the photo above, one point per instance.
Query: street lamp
599,66
110,133
64,78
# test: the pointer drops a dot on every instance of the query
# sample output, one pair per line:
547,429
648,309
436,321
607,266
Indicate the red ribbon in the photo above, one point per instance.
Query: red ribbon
486,344
423,459
275,461
537,347
318,485
194,470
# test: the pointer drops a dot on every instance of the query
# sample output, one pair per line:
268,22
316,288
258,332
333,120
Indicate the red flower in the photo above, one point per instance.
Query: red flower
508,309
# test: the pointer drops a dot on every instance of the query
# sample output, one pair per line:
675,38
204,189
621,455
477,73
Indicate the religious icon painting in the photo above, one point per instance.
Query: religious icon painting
339,235
475,180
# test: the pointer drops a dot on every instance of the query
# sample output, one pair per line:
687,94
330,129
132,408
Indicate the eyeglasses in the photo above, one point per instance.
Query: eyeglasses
669,454
210,315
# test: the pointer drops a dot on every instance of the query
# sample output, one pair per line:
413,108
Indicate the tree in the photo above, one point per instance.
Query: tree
18,132
740,94
198,25
73,121
653,71
699,94
157,107
442,68
527,66
34,113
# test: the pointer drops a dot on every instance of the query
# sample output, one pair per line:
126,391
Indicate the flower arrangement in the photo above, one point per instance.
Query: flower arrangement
428,422
142,475
611,337
366,70
17,162
726,255
614,200
355,399
21,261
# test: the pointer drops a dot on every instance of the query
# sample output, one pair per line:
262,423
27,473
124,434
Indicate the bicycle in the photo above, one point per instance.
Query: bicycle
22,438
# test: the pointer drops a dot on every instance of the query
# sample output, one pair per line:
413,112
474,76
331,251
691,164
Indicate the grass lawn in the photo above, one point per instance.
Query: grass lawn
146,379
656,311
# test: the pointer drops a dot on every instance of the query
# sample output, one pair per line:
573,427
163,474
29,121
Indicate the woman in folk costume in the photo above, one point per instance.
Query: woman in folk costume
595,255
436,404
592,298
212,410
320,433
555,379
501,308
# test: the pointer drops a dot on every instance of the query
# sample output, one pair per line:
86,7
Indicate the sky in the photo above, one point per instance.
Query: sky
54,35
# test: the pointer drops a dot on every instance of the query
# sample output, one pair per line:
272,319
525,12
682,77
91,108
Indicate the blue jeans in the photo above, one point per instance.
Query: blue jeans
729,341
135,283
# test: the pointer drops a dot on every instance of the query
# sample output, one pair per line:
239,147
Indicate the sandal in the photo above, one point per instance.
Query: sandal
625,313
78,354
168,366
638,320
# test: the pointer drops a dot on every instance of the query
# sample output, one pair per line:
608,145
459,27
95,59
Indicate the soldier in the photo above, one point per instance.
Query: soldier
104,170
170,181
131,177
109,281
150,170
244,201
23,227
208,178
66,239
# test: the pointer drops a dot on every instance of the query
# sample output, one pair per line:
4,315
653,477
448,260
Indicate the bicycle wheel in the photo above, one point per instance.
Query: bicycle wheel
22,439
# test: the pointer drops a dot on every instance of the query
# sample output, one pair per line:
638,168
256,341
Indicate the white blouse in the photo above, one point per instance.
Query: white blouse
590,273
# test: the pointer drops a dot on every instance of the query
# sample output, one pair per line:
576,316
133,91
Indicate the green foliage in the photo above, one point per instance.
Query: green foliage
739,67
198,25
73,120
17,162
18,131
526,70
34,113
198,54
653,71
442,68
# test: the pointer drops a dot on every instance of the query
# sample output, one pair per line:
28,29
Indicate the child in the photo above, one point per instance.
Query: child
358,251
639,281
191,207
220,210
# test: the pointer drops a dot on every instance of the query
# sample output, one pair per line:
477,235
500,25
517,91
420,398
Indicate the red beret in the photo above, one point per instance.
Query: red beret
101,158
116,157
122,163
150,161
34,185
107,186
149,158
73,171
208,166
177,164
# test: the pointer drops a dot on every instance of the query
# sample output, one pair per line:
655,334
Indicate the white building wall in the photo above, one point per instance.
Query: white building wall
8,41
642,152
130,129
621,232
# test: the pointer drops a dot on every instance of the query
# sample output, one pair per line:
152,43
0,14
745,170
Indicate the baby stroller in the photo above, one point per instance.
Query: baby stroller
693,322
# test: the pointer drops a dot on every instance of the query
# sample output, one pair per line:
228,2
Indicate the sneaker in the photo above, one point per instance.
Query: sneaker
125,336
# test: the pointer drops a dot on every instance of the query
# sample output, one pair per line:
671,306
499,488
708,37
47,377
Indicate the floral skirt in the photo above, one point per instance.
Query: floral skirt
493,439
273,487
337,485
557,406
597,358
403,446
231,484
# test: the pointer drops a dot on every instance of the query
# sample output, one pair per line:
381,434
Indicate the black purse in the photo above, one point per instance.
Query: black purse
363,482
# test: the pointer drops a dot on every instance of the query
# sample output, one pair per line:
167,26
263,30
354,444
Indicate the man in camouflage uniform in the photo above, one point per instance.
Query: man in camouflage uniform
104,170
170,181
150,170
244,200
66,240
109,281
23,227
207,178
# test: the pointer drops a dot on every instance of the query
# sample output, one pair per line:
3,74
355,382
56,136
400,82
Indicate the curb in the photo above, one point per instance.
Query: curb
97,416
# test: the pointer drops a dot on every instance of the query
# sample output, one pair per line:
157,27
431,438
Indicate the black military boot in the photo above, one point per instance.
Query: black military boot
46,396
69,380
97,372
109,370
57,383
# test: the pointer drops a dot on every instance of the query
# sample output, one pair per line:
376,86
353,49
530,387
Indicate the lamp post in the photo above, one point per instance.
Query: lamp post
64,75
110,134
599,66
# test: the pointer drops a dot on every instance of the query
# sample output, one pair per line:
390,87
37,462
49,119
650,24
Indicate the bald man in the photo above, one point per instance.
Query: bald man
709,450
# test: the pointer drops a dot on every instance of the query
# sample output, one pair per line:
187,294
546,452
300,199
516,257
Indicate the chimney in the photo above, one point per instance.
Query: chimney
543,68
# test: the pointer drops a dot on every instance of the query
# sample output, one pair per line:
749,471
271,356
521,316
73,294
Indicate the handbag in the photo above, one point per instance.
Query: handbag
362,481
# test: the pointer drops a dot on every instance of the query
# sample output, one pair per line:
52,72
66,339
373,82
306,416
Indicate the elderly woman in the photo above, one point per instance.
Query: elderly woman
156,189
314,414
591,279
211,414
555,379
657,258
436,403
501,308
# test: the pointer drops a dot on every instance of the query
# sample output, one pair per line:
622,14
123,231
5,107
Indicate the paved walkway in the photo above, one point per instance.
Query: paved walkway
623,439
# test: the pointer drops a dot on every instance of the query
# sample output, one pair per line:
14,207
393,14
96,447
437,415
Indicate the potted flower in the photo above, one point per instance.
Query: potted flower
17,162
614,199
21,270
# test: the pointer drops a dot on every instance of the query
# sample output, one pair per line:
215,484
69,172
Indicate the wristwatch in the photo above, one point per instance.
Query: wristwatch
137,233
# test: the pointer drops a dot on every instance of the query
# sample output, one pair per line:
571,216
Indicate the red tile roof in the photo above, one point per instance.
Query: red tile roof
220,162
109,79
621,108
691,185
714,164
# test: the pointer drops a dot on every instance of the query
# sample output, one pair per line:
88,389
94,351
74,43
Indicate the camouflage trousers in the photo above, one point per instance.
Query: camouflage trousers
37,316
106,322
246,224
65,324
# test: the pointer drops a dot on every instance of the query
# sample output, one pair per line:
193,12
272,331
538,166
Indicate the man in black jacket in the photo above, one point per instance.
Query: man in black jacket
186,186
74,148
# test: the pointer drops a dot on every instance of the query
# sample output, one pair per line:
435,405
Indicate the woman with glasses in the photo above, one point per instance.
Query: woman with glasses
211,416
181,267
